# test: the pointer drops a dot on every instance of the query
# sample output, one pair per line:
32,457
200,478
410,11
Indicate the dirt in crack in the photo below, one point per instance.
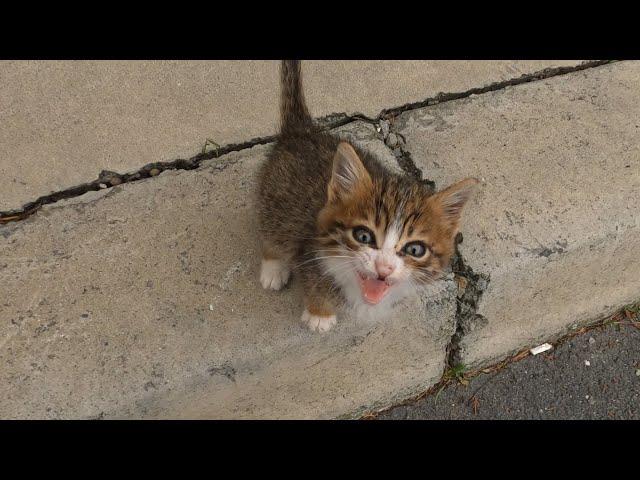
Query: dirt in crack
397,144
471,287
108,178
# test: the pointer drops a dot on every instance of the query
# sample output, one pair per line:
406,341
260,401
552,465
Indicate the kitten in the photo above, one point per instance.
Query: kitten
358,234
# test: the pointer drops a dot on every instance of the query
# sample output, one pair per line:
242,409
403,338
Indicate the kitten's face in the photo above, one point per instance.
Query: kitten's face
381,238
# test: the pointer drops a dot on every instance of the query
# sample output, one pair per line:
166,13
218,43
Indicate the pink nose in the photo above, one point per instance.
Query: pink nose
384,269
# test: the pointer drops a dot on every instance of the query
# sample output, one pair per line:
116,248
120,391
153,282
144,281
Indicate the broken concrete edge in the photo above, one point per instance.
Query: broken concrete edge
471,287
630,313
108,179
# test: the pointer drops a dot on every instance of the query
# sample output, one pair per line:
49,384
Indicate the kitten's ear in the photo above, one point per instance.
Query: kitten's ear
348,172
449,202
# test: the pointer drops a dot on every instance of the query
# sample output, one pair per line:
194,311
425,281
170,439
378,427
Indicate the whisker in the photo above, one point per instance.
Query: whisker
317,259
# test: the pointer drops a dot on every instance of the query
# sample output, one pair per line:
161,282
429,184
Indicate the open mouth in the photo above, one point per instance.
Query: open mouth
373,290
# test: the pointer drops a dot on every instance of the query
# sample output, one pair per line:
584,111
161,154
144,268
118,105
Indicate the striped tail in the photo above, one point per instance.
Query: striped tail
294,115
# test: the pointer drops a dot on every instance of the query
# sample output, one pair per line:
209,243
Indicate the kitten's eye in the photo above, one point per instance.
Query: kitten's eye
364,235
415,249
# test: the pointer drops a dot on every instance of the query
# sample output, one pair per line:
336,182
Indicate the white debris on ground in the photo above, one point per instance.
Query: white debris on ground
541,348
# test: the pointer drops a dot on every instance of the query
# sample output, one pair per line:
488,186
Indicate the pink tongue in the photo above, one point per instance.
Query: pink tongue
373,290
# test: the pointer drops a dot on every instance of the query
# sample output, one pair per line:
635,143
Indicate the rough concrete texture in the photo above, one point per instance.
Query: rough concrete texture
367,136
142,301
555,224
63,122
556,385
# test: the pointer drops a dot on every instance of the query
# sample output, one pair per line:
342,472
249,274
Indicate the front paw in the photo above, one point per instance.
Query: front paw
274,274
318,323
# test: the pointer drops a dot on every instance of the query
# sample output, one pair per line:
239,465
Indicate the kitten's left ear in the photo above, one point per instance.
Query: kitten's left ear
450,201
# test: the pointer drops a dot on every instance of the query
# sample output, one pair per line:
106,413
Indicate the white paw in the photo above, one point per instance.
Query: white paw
274,274
318,323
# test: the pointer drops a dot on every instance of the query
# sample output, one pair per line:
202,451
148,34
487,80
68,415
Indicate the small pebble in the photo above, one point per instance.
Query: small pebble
384,127
462,284
102,185
481,283
638,373
592,340
392,140
587,363
211,307
154,171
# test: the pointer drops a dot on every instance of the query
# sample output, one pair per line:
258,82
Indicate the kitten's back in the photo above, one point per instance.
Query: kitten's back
293,180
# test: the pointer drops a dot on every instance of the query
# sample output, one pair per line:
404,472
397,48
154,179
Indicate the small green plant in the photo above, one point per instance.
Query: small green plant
454,373
634,308
209,143
457,373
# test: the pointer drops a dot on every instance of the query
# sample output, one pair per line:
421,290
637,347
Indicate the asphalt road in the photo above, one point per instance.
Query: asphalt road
595,375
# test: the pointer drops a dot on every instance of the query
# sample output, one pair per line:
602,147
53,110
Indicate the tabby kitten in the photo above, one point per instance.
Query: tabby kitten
358,234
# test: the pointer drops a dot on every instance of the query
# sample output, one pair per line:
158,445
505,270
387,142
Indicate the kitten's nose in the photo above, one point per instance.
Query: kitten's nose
384,269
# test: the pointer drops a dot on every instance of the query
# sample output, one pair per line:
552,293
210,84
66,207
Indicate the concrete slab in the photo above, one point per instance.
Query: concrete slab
142,301
555,224
65,121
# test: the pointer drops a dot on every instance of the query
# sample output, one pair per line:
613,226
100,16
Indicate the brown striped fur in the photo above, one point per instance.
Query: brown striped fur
314,189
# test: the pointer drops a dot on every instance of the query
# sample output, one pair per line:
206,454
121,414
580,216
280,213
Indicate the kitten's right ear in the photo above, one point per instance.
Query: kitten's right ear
449,202
348,173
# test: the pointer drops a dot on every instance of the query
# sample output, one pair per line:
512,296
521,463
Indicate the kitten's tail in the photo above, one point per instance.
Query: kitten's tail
293,109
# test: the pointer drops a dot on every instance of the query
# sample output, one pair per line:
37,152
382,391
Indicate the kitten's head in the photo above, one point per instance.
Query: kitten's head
382,235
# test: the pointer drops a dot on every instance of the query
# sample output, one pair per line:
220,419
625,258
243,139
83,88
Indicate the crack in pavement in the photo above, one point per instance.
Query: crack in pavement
108,179
396,143
471,287
524,78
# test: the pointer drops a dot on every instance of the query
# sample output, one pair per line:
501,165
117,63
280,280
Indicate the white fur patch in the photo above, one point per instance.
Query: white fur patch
318,323
346,277
274,274
391,238
344,269
387,254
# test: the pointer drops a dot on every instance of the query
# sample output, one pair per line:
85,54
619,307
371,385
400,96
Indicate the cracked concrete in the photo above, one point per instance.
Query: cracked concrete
193,345
66,121
471,287
555,226
142,301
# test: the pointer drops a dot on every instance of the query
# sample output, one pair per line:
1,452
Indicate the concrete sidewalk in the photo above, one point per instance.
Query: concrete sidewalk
63,122
142,300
